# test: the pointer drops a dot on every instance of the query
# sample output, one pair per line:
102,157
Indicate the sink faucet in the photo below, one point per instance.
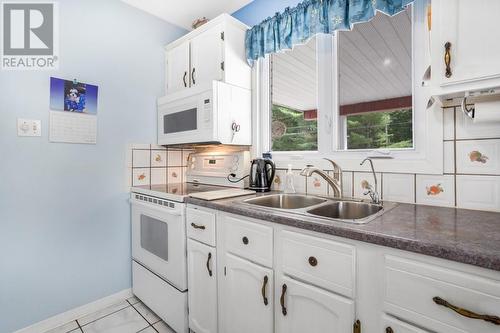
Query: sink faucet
370,190
335,182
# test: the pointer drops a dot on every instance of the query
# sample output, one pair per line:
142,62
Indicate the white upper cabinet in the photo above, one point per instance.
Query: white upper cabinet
206,56
247,297
214,51
468,29
304,308
177,68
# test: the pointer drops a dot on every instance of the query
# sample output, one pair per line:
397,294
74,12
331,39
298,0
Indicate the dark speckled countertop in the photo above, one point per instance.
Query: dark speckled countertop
466,236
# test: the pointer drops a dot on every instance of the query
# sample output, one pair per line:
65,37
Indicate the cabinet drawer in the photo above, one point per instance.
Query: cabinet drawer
201,225
414,288
325,263
392,325
167,302
248,240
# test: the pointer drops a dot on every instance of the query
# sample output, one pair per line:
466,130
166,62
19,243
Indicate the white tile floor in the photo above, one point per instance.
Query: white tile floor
128,316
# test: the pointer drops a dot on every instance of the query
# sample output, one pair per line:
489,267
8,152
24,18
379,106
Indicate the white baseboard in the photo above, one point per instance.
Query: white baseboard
76,313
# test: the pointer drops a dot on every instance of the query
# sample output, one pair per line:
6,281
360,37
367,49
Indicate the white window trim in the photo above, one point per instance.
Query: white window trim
425,158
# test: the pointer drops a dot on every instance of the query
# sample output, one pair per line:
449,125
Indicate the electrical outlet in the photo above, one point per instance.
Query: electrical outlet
29,127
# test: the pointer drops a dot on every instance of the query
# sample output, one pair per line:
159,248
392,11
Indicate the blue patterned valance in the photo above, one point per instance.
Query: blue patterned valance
297,25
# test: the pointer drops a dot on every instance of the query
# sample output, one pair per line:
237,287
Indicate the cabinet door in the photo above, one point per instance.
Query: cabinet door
235,115
206,57
247,297
202,286
177,76
472,29
304,308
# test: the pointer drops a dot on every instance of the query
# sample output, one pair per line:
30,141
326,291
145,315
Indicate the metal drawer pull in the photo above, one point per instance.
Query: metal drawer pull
389,330
245,240
184,79
196,226
447,59
264,284
192,75
282,299
208,263
466,313
313,261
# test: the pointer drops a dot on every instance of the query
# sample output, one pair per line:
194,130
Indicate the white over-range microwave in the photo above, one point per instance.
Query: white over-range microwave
216,113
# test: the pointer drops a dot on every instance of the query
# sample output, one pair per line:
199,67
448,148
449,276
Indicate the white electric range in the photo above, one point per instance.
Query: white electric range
159,262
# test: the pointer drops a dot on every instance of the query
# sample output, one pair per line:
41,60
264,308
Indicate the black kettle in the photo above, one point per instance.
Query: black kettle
262,173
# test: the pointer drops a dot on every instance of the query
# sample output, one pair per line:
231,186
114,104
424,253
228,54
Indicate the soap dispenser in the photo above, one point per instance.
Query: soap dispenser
288,185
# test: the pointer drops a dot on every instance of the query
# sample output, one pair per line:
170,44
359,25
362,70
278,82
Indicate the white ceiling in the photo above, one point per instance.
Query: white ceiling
184,12
375,64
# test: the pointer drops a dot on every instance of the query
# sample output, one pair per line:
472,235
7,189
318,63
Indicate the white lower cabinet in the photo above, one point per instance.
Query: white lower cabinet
279,279
247,296
202,287
304,308
441,299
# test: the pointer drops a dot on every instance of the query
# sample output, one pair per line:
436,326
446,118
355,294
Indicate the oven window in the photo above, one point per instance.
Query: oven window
154,236
180,121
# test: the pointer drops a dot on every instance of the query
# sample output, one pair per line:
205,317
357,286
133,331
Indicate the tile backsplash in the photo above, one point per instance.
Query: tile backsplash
152,164
471,177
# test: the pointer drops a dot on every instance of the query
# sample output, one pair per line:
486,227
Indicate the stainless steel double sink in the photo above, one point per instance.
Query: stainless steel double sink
326,208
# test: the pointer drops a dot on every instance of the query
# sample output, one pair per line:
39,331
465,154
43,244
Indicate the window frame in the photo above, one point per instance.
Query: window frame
426,156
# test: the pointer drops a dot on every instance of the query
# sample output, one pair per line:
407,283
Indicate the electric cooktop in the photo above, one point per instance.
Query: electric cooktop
177,191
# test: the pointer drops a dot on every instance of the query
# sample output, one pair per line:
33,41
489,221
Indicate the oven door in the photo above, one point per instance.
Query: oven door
186,120
159,239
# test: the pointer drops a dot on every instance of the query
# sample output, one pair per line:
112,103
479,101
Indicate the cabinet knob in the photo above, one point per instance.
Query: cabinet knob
245,240
313,261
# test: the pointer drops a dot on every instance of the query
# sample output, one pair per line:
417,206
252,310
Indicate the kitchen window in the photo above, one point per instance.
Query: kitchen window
374,63
352,94
374,67
294,105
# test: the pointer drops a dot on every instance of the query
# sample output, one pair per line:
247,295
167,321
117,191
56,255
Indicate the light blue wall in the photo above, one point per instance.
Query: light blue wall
64,215
259,10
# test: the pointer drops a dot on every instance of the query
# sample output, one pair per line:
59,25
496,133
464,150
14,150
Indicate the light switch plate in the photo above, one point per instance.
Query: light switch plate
29,127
